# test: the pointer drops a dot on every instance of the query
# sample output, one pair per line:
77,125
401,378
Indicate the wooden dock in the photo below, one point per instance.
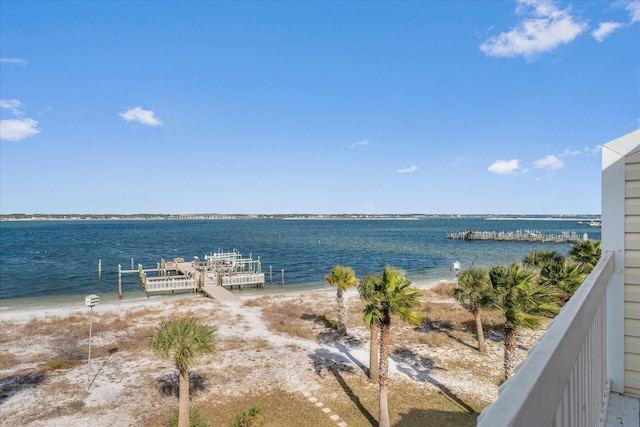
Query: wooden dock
219,272
518,236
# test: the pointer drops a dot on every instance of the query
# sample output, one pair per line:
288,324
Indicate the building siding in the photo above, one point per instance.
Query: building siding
632,275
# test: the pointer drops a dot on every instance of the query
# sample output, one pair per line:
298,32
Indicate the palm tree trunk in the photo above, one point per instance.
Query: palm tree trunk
383,381
509,351
374,350
183,399
481,345
342,313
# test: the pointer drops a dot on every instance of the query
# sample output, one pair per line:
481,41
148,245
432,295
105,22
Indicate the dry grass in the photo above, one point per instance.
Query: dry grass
255,370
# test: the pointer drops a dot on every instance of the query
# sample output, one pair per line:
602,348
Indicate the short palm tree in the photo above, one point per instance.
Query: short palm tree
367,286
566,275
475,292
392,297
183,340
521,299
586,252
539,258
341,278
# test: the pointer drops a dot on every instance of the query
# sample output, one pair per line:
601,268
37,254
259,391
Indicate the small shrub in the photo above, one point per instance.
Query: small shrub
195,419
250,418
329,323
76,405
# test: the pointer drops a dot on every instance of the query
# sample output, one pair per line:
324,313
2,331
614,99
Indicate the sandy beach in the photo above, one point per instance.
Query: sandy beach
270,348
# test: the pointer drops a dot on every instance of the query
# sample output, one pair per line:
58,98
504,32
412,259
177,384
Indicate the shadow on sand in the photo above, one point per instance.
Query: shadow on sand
337,365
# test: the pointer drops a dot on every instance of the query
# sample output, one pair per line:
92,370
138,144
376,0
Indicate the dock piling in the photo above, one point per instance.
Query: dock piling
99,269
282,284
119,281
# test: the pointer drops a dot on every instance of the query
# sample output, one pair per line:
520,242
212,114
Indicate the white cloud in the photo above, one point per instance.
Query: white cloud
567,153
544,28
12,105
146,117
549,162
410,169
505,167
605,29
360,144
634,8
593,151
13,61
18,129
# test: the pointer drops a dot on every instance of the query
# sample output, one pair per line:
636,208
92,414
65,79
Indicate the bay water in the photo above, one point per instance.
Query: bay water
55,262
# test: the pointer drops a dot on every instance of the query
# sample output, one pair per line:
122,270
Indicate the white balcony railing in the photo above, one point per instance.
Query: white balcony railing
563,381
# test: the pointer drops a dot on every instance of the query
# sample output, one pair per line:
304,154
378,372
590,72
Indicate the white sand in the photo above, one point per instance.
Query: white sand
263,360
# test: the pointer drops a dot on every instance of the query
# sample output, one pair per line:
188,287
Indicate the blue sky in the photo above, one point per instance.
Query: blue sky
436,107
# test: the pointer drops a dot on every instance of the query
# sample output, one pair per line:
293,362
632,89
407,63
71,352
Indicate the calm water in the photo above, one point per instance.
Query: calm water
56,261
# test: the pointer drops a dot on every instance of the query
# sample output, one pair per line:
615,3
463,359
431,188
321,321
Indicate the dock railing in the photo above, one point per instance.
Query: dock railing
243,279
563,381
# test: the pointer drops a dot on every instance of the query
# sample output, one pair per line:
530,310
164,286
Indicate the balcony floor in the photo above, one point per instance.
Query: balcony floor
622,411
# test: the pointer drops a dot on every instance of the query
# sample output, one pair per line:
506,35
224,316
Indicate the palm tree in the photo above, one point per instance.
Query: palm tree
540,258
566,275
586,252
183,341
367,286
521,298
474,291
392,297
341,278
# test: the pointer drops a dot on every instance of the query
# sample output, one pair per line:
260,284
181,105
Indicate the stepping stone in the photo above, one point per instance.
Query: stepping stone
342,424
313,399
319,404
334,417
306,394
326,410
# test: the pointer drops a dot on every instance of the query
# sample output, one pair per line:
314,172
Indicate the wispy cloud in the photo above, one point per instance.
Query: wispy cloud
17,61
146,117
360,144
605,29
544,28
634,9
410,169
549,162
18,128
13,105
505,167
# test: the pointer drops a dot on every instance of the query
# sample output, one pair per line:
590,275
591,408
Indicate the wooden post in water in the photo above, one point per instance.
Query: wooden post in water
132,263
99,269
282,284
119,281
270,276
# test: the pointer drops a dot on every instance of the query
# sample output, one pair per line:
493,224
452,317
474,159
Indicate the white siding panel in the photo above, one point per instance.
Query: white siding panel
632,327
631,206
631,380
632,224
633,157
632,344
632,241
632,362
632,293
632,189
632,311
632,258
632,276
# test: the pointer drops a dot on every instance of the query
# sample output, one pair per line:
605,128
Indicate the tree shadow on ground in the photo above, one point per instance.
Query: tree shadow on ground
170,384
434,418
419,368
338,365
16,383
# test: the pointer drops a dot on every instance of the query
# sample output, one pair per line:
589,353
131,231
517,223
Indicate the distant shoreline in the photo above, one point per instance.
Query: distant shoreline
300,217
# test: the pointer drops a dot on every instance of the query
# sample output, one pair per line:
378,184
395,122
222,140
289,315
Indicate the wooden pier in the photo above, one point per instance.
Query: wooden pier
219,272
518,236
